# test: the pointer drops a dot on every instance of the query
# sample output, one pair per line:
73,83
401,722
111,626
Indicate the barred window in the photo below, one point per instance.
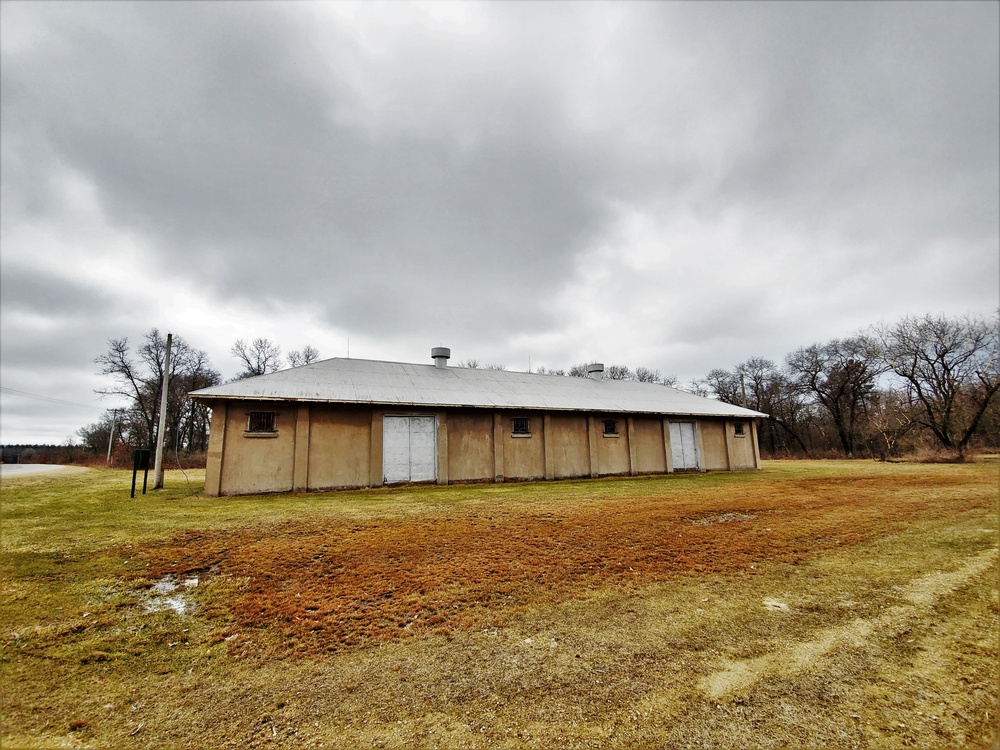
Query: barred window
261,421
738,429
610,426
521,426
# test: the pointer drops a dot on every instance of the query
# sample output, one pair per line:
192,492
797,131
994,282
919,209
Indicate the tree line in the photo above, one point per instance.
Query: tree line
925,381
136,374
922,382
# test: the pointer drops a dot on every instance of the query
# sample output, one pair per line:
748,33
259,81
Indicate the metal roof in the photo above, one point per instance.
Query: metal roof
362,381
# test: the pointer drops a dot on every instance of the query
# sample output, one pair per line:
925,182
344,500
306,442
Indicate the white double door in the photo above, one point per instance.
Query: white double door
409,449
683,445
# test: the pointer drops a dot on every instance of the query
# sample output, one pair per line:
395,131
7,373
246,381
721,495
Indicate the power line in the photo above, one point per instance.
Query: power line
16,392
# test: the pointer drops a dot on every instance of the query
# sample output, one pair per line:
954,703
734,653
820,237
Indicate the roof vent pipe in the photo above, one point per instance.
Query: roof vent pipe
440,355
595,371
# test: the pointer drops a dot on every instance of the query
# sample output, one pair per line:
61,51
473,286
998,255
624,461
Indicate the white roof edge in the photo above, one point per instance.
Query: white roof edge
424,386
747,413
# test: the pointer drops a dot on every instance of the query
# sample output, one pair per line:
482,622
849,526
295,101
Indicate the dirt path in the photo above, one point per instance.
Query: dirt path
920,594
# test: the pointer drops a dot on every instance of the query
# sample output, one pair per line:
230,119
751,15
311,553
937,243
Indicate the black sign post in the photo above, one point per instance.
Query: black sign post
140,460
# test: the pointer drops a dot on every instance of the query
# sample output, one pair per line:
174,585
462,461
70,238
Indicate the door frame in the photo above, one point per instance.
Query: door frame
433,458
696,439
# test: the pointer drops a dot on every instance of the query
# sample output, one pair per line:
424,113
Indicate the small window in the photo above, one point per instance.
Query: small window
261,421
738,429
521,426
610,426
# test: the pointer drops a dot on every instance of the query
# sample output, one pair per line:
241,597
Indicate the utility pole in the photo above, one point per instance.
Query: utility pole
111,437
162,428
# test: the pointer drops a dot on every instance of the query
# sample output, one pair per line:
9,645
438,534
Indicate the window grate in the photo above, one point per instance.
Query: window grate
521,426
610,426
261,421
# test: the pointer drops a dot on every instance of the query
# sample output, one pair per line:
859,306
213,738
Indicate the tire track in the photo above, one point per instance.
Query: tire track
919,594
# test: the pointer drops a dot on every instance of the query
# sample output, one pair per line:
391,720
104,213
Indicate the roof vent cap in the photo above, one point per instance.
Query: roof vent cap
595,371
440,355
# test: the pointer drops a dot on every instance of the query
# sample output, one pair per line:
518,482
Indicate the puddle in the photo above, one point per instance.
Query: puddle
169,593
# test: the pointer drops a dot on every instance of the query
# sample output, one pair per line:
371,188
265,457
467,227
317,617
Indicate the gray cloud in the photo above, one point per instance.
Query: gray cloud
449,171
37,292
217,146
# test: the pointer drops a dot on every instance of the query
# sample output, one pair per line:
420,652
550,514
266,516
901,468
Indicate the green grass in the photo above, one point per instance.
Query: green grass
89,510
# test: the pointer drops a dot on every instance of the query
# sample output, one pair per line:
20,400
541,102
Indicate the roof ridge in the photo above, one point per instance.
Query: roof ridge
366,381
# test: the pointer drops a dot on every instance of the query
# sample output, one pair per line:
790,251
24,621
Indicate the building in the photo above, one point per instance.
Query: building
345,423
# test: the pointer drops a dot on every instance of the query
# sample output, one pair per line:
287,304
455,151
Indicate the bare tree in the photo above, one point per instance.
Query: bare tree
841,375
259,357
139,377
950,371
757,384
890,418
475,364
623,372
307,356
96,437
189,419
723,385
695,386
647,375
618,372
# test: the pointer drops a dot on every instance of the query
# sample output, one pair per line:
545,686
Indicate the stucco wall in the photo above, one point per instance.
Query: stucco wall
650,456
568,448
523,457
713,440
258,464
470,446
612,452
321,446
741,447
339,446
216,441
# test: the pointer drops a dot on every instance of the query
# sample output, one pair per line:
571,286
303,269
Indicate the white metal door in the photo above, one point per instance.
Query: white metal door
683,445
396,449
423,456
409,451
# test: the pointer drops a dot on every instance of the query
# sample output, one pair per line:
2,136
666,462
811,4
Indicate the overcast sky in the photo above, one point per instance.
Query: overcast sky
673,185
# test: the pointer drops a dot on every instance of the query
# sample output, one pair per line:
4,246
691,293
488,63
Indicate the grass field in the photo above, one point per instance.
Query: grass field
811,604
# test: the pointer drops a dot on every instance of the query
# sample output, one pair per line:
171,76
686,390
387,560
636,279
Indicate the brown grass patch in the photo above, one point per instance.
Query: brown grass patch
315,587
